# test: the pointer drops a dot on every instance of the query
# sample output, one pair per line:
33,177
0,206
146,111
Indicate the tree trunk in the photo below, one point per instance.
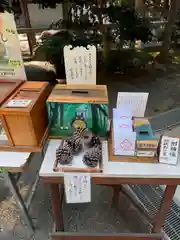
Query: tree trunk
140,7
66,8
165,9
105,42
163,57
31,35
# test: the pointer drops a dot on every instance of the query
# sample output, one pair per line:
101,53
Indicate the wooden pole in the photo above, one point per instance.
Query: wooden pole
30,35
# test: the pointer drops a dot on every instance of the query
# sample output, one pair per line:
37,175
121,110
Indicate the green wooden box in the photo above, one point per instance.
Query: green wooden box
78,105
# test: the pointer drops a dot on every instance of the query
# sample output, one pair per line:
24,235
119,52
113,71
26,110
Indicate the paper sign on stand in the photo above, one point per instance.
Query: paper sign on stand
124,144
80,64
124,112
77,187
169,150
122,126
11,62
137,101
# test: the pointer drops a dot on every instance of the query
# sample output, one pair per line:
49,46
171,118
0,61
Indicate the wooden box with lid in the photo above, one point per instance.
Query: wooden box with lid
71,106
24,118
8,87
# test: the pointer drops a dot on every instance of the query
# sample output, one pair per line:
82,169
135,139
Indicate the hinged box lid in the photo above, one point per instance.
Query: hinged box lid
92,94
8,87
24,98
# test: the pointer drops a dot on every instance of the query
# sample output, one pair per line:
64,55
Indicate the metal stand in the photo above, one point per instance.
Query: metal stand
24,204
12,184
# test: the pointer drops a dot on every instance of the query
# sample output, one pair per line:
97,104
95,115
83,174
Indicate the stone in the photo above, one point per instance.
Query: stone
40,71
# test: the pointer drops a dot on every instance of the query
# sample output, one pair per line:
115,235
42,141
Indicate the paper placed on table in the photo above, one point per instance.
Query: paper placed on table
124,143
77,187
137,102
169,150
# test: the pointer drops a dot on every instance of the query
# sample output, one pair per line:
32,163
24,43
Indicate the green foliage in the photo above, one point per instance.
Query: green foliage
4,6
130,26
123,61
52,48
85,27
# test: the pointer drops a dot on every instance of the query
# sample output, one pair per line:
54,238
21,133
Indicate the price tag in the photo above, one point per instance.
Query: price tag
169,150
18,103
15,63
77,187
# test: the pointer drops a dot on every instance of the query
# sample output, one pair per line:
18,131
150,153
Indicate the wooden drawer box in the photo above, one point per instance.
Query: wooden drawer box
78,105
26,126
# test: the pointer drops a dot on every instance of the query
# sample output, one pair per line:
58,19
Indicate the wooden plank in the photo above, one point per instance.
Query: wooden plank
104,180
79,94
107,236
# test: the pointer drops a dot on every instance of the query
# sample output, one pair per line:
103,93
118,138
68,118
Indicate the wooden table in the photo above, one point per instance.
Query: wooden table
12,165
115,174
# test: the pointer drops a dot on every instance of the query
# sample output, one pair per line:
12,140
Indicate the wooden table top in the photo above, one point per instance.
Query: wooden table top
15,161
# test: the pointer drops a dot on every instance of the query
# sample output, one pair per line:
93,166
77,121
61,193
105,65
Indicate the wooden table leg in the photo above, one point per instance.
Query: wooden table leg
115,197
57,193
164,208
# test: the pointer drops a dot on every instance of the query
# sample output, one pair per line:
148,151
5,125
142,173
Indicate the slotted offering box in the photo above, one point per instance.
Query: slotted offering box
78,105
24,118
7,88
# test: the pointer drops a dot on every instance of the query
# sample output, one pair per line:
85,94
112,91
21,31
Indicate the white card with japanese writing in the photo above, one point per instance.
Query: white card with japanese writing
18,103
124,144
11,61
77,187
137,102
80,64
169,150
124,112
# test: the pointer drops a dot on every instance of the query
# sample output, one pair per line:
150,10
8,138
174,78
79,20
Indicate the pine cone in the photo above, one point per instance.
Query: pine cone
78,132
95,141
75,143
64,154
92,157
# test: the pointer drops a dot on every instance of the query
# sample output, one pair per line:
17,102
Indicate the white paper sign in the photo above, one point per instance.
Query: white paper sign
11,62
137,101
122,113
121,126
124,144
80,65
77,187
18,103
169,150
